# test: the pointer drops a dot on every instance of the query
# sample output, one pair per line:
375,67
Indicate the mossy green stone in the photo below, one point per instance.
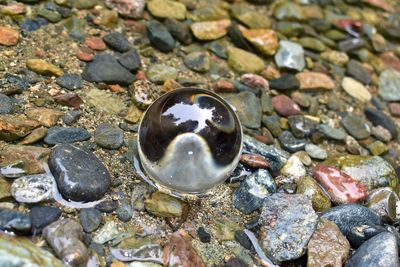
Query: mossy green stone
167,9
309,187
50,15
250,17
312,43
377,148
243,61
225,229
163,205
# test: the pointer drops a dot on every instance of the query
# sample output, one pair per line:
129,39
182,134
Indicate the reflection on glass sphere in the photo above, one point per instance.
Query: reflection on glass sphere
190,140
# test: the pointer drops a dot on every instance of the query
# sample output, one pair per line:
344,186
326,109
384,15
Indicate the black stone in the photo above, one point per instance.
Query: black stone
70,81
203,235
41,216
71,116
90,219
291,143
301,126
179,30
238,39
377,117
285,82
14,221
57,135
356,126
243,240
5,104
359,234
105,68
357,71
11,84
160,37
130,60
109,136
34,24
117,41
107,206
124,211
379,251
351,44
79,174
351,215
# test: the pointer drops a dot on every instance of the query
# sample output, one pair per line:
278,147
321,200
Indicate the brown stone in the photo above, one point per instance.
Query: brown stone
394,109
170,85
85,54
210,30
179,252
255,81
254,161
42,67
70,100
327,246
29,158
285,106
390,60
265,40
223,86
14,9
133,115
8,36
34,136
315,81
13,127
46,116
95,43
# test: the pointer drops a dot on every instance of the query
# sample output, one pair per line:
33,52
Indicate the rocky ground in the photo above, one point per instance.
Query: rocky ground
316,86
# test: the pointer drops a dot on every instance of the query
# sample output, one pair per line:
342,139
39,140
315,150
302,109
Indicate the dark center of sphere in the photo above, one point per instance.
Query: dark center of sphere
191,110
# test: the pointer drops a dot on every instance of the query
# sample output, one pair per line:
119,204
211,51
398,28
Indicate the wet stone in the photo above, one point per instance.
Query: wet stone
58,135
315,81
109,136
356,126
130,60
90,219
293,168
203,235
389,84
117,41
301,126
179,251
127,8
285,82
291,143
351,215
327,246
163,205
383,202
290,55
359,234
287,224
249,196
210,30
65,237
285,106
357,71
377,117
106,233
33,188
381,250
14,221
316,152
41,216
377,148
43,67
95,43
159,36
88,177
107,206
46,116
307,186
70,81
124,211
159,73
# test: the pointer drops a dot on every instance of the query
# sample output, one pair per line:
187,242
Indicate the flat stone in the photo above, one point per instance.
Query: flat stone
179,251
316,152
179,30
104,101
265,40
33,188
380,250
285,106
144,251
210,30
106,233
243,61
327,246
71,116
332,133
46,116
14,221
167,9
13,127
377,117
70,81
312,44
40,66
307,186
6,104
57,135
291,143
95,43
41,216
358,72
287,224
383,201
90,219
130,60
117,41
341,188
127,8
356,89
285,82
8,36
163,205
105,68
197,61
315,81
88,179
254,19
351,44
109,136
356,126
389,84
377,148
351,215
159,73
159,36
290,55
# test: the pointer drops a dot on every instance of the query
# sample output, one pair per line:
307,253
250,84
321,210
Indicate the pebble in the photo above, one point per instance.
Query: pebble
358,72
13,127
348,216
31,25
167,9
179,251
254,161
159,73
6,104
127,8
179,30
380,250
356,89
105,68
163,205
389,82
104,101
249,196
41,216
71,116
381,133
109,136
125,211
159,36
291,143
294,168
70,81
356,126
327,246
243,61
14,221
8,36
225,229
287,223
107,206
90,219
117,41
46,116
88,179
394,109
350,44
203,235
265,40
210,30
332,133
138,249
335,57
377,117
290,56
307,186
301,126
315,81
285,106
130,60
33,188
285,82
107,232
316,152
40,66
383,201
95,43
341,188
65,237
58,135
197,61
377,148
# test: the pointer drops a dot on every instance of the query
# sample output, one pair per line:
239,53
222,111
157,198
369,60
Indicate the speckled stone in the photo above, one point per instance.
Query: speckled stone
109,136
290,55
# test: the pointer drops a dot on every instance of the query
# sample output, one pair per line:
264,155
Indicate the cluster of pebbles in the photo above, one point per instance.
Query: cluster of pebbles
315,84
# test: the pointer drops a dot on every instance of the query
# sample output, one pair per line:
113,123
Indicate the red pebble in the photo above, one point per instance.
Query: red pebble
95,43
71,100
223,86
85,55
341,187
285,106
394,109
254,161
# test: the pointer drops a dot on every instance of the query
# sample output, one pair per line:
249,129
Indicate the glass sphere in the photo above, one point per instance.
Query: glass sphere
189,141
